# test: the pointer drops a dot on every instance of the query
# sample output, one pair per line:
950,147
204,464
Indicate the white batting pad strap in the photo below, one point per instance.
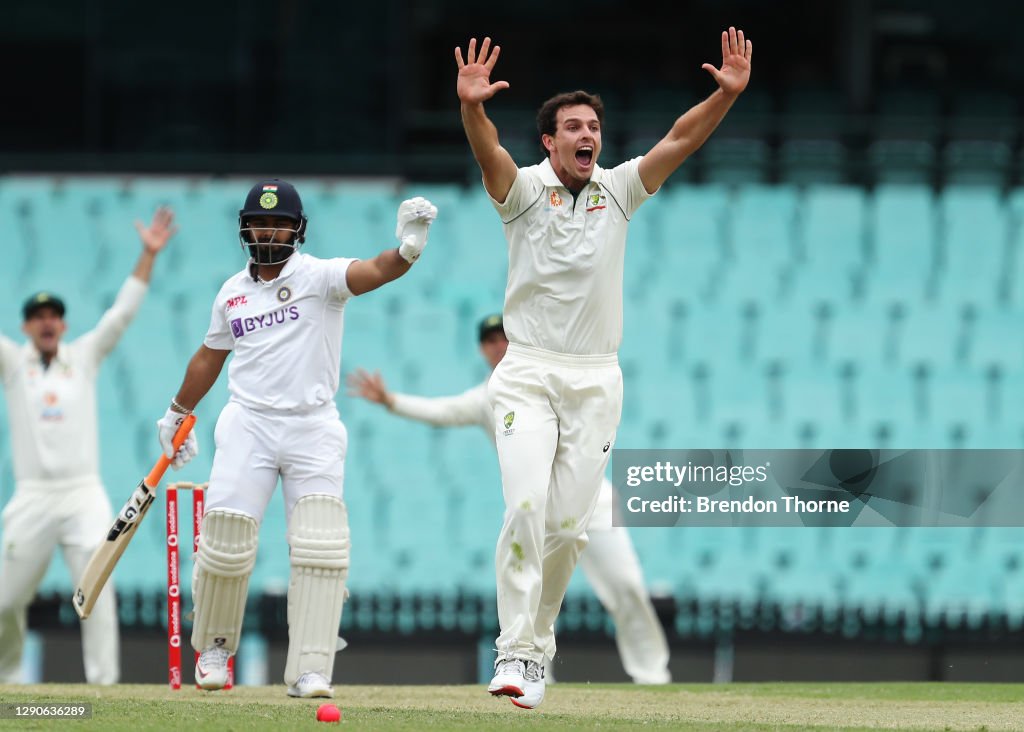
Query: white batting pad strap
319,541
227,555
326,554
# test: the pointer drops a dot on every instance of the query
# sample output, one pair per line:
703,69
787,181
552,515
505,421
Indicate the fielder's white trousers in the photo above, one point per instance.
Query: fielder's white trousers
72,514
555,421
613,569
306,451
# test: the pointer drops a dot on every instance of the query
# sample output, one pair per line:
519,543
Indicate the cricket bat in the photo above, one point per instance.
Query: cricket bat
107,554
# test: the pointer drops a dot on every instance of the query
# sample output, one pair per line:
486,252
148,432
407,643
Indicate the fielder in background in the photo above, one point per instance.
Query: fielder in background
556,398
59,498
283,317
609,561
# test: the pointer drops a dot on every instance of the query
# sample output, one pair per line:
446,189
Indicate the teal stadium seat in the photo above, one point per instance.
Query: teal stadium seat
832,242
878,584
864,333
931,334
721,565
760,239
974,237
903,223
688,239
812,396
800,568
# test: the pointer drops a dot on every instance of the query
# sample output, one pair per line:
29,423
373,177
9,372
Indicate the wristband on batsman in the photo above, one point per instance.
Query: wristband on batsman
178,408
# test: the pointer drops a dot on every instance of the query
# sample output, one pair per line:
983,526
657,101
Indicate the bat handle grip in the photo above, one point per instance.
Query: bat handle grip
179,439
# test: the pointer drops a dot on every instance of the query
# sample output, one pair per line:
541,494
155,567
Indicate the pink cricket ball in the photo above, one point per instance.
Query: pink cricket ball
328,713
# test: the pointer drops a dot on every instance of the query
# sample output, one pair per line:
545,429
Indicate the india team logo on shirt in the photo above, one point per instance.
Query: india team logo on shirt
284,294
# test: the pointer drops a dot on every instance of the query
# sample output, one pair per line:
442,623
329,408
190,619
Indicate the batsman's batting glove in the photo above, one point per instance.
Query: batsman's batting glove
166,428
414,219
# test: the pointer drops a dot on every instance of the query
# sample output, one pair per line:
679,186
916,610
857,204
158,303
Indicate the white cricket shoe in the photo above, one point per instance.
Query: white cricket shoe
533,693
508,677
311,684
212,668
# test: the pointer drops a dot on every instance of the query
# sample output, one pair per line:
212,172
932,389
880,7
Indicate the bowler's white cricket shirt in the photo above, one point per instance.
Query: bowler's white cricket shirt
564,290
52,410
285,334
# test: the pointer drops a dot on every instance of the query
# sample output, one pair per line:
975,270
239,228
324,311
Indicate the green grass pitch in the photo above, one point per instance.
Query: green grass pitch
567,707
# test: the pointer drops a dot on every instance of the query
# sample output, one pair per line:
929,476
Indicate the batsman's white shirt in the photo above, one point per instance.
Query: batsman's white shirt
564,290
472,407
52,411
285,334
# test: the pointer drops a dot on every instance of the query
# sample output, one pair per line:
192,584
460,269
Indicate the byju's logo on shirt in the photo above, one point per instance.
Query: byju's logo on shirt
244,326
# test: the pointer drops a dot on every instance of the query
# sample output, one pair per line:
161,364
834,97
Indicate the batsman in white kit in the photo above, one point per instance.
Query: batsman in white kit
556,397
282,316
609,560
59,498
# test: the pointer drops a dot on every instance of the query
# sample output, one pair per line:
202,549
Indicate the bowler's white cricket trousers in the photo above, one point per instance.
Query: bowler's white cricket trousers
555,421
74,514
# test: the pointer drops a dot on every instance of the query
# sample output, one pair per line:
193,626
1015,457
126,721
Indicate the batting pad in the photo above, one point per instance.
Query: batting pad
227,554
319,541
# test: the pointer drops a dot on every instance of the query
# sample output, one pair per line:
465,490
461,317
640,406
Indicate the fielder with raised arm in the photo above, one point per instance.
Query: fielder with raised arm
556,398
609,561
282,316
59,498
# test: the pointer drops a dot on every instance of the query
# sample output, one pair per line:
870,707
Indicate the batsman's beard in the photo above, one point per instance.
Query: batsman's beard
270,253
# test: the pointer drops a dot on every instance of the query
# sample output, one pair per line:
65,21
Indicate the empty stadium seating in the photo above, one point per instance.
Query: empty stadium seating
761,315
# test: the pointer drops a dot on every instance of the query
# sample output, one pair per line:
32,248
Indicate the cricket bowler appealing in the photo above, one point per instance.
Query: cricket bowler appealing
556,398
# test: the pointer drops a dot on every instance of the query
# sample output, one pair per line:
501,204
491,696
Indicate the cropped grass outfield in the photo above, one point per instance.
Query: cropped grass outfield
568,707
